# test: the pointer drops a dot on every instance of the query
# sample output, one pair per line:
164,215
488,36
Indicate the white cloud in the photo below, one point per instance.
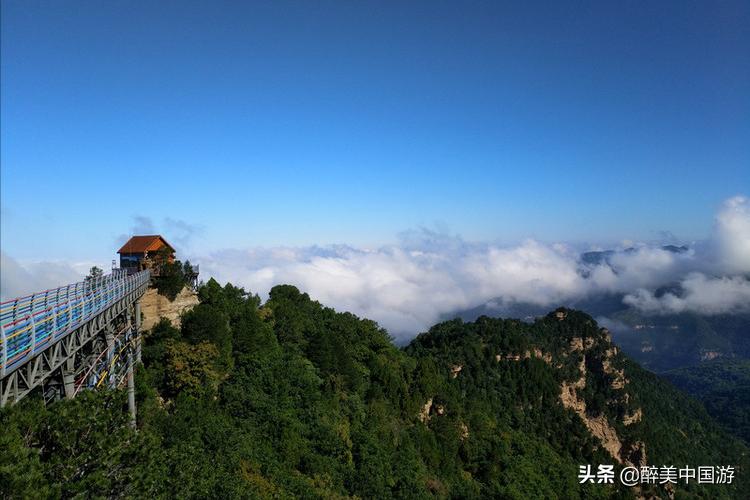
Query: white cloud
733,231
642,267
408,286
18,279
700,294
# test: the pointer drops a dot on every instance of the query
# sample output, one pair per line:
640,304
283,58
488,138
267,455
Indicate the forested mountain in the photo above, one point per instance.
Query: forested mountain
670,341
724,388
290,399
658,340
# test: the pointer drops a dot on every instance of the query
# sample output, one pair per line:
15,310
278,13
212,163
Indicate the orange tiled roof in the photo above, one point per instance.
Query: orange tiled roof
147,243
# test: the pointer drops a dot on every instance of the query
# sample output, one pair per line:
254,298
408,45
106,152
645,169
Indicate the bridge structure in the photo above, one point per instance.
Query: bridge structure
71,338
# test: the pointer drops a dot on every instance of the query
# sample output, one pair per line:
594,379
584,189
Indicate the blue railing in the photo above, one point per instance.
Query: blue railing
30,324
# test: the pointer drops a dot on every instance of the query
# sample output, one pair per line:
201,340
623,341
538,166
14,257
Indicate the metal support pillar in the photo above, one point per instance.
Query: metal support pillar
138,331
131,390
68,376
110,336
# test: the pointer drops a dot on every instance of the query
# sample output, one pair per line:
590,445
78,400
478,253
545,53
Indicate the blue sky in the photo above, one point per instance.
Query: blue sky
299,123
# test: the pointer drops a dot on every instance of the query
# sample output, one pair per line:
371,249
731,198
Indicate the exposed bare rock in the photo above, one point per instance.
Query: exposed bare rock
464,431
570,399
619,381
599,426
581,382
455,370
155,306
537,353
709,355
508,357
576,344
635,454
424,413
635,417
580,344
612,351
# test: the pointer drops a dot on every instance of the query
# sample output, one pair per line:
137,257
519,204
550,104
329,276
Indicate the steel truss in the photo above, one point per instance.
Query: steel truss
80,351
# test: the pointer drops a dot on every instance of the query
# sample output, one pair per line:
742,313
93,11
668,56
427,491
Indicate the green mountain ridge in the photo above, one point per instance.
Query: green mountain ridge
659,342
290,399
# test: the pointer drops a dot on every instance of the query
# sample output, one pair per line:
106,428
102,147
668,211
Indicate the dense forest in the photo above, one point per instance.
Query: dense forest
291,399
724,388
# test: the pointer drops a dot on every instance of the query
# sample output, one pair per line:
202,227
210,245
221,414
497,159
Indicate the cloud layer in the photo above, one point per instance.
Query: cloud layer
410,285
699,294
18,279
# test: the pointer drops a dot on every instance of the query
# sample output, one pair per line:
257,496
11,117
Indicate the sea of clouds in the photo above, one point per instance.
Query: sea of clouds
409,285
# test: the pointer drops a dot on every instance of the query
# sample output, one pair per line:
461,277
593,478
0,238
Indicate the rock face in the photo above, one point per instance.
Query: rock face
633,418
709,355
424,413
155,307
599,426
537,353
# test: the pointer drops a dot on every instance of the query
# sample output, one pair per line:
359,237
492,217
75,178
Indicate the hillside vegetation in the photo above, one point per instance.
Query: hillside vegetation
724,388
290,399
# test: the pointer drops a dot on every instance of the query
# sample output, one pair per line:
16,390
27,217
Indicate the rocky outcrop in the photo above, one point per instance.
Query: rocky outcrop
598,425
424,413
463,431
709,355
537,353
630,419
618,376
580,344
155,306
428,409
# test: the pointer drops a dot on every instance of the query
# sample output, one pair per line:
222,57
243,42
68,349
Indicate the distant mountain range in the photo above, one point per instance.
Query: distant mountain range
603,256
658,342
707,356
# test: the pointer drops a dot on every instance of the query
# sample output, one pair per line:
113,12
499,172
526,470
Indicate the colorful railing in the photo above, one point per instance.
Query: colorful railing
31,324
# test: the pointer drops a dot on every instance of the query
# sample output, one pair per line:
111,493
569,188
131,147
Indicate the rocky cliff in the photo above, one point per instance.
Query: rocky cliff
155,306
564,385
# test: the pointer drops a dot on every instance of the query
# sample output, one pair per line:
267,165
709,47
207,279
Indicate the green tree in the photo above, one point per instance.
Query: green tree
191,369
95,274
204,323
